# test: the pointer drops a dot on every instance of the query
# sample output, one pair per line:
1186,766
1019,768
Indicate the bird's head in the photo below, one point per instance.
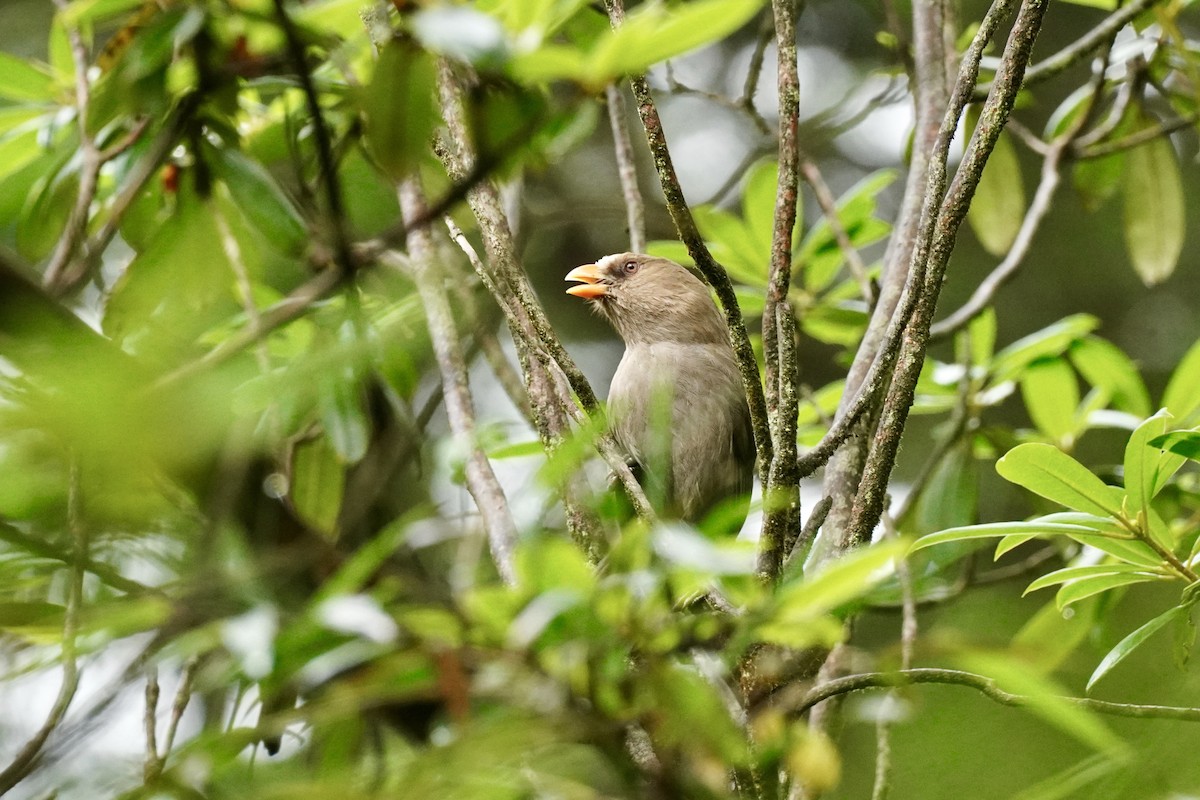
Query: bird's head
649,299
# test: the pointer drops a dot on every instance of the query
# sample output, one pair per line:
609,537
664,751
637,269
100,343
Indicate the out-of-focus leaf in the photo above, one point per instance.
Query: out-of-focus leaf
23,80
1154,216
683,547
758,203
689,712
734,246
998,207
1106,366
820,255
1047,701
1047,471
1182,395
339,17
260,199
318,479
1105,5
93,10
982,332
553,563
463,34
399,108
1051,636
1052,340
1132,642
343,417
839,583
1098,179
1051,394
44,219
1147,467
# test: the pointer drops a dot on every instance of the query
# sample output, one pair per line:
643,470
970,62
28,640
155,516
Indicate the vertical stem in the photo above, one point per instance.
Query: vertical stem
635,209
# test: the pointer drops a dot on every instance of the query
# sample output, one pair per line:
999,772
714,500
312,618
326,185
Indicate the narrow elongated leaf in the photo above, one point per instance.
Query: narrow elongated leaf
1147,467
1108,536
1086,587
1182,396
1029,529
842,581
1068,574
23,80
1054,475
1051,394
92,10
1132,642
1011,542
317,484
1046,700
1154,217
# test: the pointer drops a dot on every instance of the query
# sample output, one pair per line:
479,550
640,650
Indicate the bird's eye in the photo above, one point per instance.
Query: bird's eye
630,267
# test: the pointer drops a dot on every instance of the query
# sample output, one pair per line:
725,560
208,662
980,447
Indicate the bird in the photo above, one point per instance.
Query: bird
676,404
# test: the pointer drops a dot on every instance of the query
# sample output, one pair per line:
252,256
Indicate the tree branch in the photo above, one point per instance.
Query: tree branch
781,492
481,480
635,209
989,687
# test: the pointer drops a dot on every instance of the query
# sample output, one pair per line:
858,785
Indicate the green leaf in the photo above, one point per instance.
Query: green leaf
1182,395
1098,179
840,582
1154,217
990,530
1049,341
1050,473
358,569
1105,366
1086,587
1046,700
343,417
982,332
998,207
734,246
260,199
1104,5
1183,443
1051,394
1068,574
758,203
1148,467
93,10
317,482
23,80
1132,642
1049,637
1011,542
399,108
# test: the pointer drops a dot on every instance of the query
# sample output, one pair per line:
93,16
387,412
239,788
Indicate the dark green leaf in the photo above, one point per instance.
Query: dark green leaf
399,108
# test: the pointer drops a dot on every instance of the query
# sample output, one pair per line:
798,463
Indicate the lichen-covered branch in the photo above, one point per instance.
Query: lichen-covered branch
635,209
781,493
939,228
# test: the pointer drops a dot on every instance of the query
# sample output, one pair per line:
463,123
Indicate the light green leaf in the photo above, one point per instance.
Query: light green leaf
1049,341
758,203
1047,471
1105,366
1104,5
358,569
1046,700
1011,542
998,207
1086,587
1154,216
343,417
1051,394
399,108
93,10
840,582
1029,529
1132,642
1148,467
317,482
982,332
1182,396
1068,574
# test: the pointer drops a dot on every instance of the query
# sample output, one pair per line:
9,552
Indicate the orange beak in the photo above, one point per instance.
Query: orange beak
590,286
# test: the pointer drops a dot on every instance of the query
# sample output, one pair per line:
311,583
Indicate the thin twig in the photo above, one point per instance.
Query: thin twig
713,273
635,209
28,756
152,766
460,410
1078,50
322,141
812,176
1139,137
989,687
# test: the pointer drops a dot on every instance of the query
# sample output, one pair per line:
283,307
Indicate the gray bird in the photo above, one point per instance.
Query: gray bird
676,403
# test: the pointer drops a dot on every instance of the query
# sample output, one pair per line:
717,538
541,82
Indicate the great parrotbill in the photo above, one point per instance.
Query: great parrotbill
676,404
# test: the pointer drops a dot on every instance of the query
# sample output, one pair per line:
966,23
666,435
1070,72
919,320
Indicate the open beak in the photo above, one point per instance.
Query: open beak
589,278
